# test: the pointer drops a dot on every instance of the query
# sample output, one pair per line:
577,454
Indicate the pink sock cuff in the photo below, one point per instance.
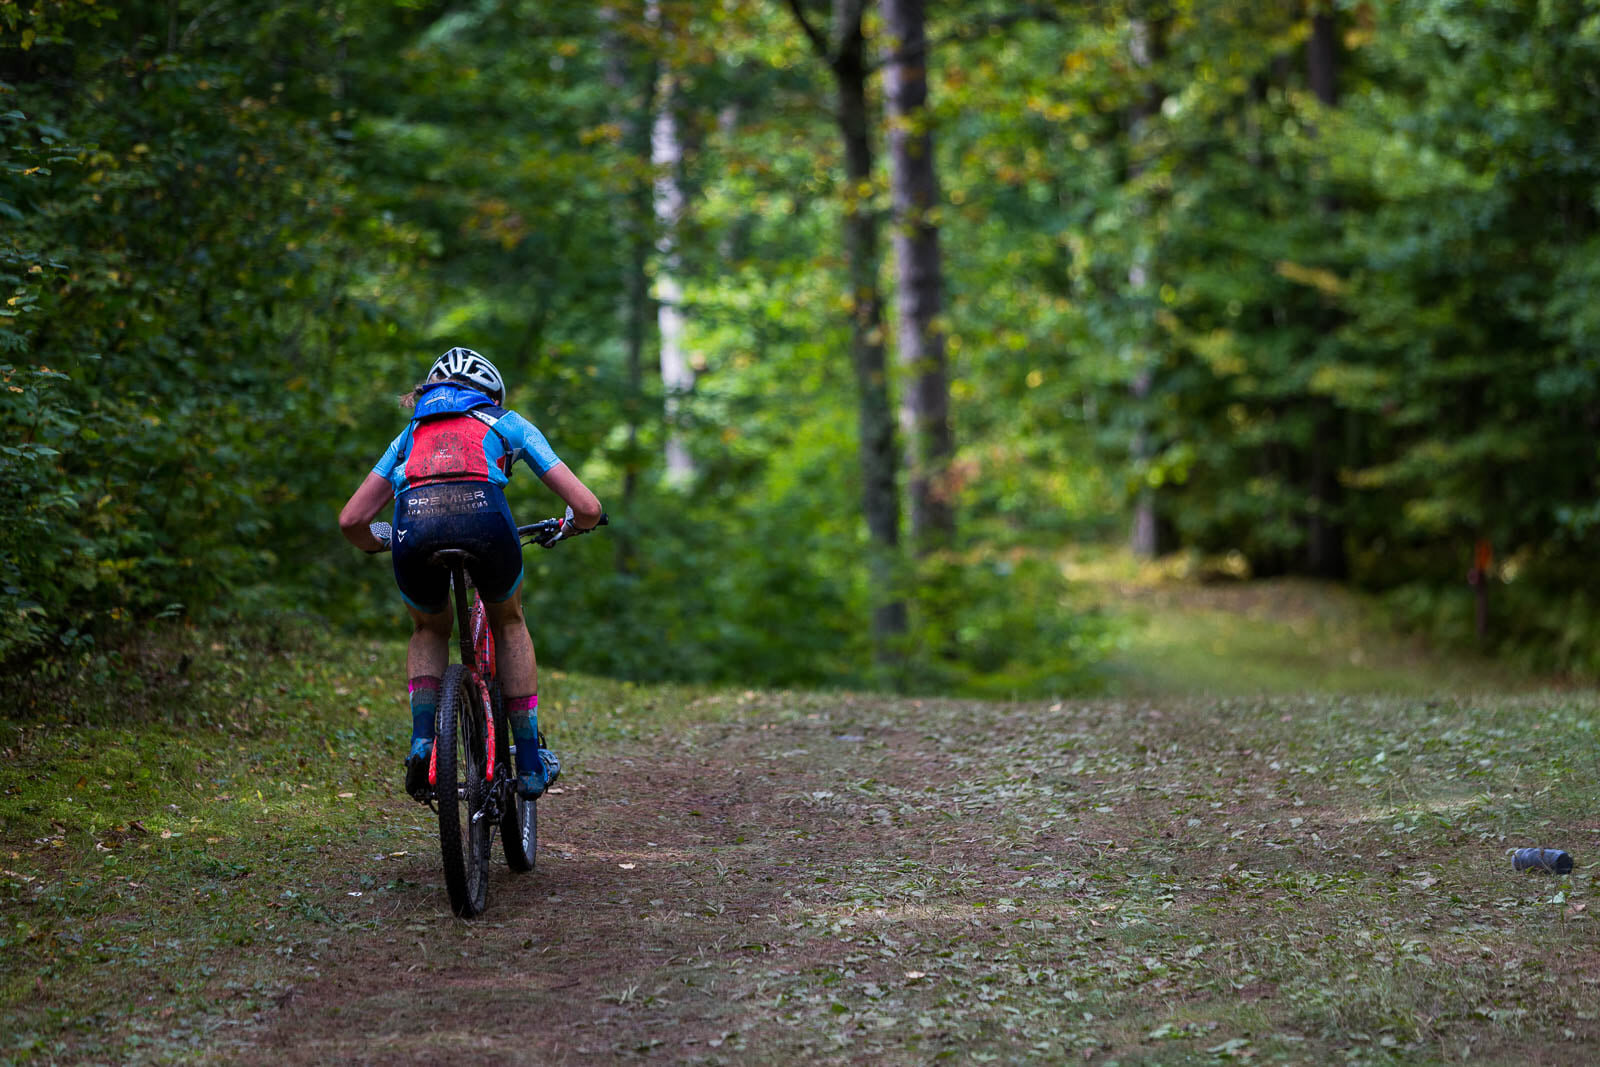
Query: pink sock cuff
424,681
523,703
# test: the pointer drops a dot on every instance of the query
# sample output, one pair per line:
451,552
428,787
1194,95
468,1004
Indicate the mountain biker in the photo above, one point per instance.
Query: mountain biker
446,472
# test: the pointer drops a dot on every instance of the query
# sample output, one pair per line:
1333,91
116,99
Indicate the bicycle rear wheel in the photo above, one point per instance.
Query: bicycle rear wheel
519,828
461,793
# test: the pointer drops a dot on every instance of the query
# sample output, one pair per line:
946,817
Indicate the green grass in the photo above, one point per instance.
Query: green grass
194,830
1178,635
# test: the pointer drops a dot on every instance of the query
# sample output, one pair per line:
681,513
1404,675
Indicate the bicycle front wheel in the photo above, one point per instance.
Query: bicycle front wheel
520,821
519,830
460,791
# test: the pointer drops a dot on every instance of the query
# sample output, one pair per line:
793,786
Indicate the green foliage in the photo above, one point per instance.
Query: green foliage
1002,624
233,232
193,281
1282,316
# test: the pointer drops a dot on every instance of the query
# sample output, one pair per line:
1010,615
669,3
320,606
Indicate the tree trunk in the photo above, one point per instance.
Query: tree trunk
632,84
844,51
1152,533
1322,58
879,500
1325,553
677,376
914,193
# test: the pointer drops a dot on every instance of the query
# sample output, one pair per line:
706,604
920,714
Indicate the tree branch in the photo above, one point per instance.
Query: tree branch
849,14
817,41
971,32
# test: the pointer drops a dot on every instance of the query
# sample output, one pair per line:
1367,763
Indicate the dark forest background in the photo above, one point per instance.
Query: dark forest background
858,316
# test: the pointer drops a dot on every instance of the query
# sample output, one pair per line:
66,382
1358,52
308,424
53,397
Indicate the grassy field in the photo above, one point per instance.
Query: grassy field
1179,636
1210,866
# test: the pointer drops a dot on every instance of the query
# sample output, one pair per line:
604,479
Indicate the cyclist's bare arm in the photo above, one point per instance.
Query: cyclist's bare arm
564,484
362,507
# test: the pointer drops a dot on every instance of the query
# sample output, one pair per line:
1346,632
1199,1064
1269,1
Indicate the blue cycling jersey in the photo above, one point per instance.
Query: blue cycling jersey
458,434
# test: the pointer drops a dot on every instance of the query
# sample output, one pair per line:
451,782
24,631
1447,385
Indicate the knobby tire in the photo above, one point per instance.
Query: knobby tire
459,790
519,823
519,826
519,829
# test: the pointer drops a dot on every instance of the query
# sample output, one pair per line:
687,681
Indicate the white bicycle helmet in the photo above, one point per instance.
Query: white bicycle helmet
467,365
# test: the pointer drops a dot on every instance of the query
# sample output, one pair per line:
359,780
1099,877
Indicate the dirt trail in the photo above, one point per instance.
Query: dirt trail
678,892
832,880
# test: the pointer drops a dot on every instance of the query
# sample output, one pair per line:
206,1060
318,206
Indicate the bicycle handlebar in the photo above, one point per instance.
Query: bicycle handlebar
528,534
539,527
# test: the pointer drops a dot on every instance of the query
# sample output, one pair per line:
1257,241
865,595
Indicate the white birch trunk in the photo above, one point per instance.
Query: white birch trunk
677,372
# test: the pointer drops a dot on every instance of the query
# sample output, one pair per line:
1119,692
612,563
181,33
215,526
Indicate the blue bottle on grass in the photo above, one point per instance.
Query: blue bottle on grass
1553,860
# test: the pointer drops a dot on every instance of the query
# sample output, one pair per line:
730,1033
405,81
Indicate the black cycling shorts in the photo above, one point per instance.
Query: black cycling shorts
468,515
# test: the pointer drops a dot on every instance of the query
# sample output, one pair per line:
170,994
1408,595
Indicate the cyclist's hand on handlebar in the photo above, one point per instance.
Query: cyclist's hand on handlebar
565,527
385,535
551,532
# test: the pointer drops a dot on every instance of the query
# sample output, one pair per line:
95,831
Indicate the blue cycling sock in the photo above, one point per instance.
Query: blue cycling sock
537,767
523,712
424,703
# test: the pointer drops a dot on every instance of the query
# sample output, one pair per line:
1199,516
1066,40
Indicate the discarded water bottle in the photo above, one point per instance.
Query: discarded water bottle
1554,860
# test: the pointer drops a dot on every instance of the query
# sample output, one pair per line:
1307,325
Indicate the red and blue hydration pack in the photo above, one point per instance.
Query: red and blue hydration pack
459,435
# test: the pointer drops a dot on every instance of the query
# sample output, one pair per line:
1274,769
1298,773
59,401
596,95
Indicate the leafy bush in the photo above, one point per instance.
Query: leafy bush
1001,623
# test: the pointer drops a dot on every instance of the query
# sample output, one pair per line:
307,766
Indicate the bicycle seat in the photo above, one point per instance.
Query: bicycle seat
447,557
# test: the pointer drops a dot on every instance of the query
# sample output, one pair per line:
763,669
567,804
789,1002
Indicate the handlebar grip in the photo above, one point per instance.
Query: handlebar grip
535,533
536,527
383,532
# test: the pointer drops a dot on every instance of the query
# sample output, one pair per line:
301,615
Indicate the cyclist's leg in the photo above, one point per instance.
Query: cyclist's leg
425,590
515,663
537,767
426,657
429,649
424,587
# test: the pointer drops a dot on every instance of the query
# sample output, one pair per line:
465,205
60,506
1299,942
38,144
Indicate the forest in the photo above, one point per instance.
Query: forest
1101,496
856,316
